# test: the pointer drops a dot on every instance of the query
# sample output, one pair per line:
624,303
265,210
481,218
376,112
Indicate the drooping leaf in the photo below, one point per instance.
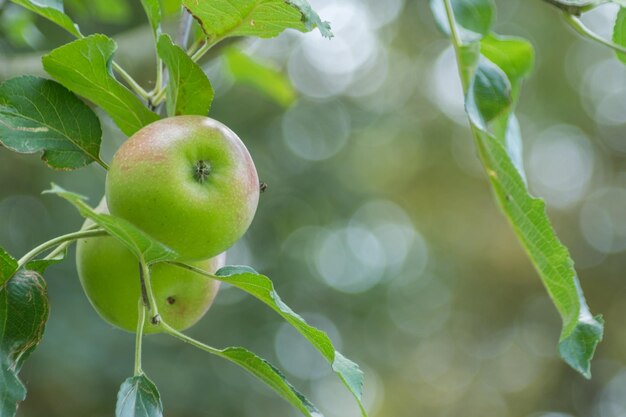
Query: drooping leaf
138,397
40,265
141,244
8,266
153,11
619,32
189,90
53,11
41,115
265,79
473,17
269,374
499,147
261,18
262,288
23,316
84,66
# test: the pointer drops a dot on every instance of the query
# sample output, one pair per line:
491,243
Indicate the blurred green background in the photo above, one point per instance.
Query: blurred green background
378,226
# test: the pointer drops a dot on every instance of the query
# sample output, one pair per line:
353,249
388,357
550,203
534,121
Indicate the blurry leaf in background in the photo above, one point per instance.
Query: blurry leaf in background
51,10
84,66
18,25
138,397
23,316
267,80
153,11
37,114
116,12
189,90
170,7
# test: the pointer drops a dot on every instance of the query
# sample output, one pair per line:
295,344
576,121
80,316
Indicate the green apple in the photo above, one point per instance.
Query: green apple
188,181
109,274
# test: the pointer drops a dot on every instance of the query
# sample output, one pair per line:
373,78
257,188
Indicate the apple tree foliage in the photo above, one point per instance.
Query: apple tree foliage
492,69
50,117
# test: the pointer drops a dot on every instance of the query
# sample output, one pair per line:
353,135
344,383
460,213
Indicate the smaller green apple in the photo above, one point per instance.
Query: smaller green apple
109,274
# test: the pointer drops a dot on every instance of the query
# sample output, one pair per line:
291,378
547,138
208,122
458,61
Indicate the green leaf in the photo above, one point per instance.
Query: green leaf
142,245
267,80
311,19
23,316
261,287
53,11
498,139
578,347
189,90
40,265
489,93
153,11
515,56
266,372
8,266
619,33
138,397
473,17
41,115
261,18
84,66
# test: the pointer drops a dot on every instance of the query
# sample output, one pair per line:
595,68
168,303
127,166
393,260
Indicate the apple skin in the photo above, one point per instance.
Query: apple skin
109,274
188,181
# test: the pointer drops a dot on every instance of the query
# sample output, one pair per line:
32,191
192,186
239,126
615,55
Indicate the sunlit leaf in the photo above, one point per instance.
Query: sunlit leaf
23,316
260,18
133,238
138,397
41,115
84,66
189,90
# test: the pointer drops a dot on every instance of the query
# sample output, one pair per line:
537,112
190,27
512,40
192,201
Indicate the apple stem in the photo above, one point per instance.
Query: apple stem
146,286
141,319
